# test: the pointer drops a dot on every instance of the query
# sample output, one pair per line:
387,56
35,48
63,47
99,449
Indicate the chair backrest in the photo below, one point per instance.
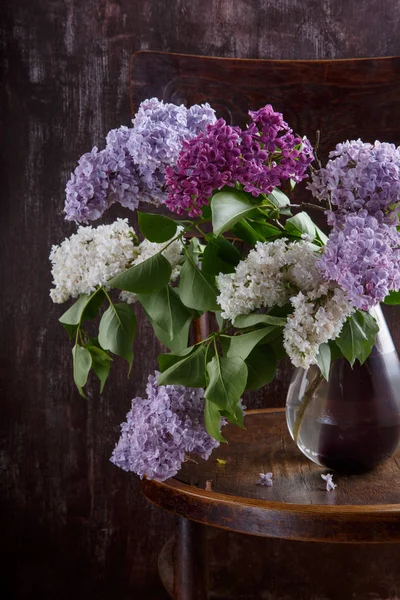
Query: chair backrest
343,99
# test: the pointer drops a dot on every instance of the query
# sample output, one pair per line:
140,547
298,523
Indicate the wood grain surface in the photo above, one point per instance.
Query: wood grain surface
363,508
72,524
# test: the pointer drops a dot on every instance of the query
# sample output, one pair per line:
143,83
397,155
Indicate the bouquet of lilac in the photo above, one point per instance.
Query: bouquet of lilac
293,292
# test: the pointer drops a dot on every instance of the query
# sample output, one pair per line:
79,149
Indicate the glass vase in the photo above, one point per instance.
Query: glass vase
350,423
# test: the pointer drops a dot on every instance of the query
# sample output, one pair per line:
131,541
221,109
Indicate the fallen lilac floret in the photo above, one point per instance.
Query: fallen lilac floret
265,479
329,483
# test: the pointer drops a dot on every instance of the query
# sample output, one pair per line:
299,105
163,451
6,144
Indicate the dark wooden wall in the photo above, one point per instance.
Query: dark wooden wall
72,525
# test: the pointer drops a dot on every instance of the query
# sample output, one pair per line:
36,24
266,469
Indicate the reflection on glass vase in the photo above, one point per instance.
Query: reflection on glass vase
350,423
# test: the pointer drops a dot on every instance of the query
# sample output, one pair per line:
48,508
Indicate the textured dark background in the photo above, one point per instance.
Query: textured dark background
72,525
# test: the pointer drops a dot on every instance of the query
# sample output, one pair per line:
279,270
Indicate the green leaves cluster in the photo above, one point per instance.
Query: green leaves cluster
257,219
116,334
226,365
231,360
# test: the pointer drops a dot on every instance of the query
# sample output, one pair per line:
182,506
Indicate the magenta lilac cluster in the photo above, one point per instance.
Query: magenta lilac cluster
362,182
131,169
258,159
162,430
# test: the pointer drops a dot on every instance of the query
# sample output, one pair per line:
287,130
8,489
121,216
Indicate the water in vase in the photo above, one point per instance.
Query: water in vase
352,422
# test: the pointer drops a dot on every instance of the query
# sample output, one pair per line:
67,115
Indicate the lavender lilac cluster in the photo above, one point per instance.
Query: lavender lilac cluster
359,176
362,182
162,430
363,257
103,178
258,158
157,137
131,168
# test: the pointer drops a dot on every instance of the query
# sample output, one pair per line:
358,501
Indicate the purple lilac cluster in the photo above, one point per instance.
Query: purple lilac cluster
157,137
361,176
103,178
207,163
258,158
362,182
131,169
162,430
363,256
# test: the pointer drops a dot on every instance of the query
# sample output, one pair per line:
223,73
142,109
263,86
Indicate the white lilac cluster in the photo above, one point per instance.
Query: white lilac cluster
162,430
89,258
173,254
269,276
281,272
318,317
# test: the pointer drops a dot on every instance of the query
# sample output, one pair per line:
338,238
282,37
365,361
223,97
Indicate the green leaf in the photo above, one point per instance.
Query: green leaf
165,361
148,276
244,231
100,364
278,198
277,346
220,256
228,208
242,345
255,319
156,228
235,417
197,289
261,365
392,298
166,310
266,230
188,371
220,320
227,381
212,420
194,249
117,331
324,359
86,307
335,350
300,224
358,337
82,362
178,343
320,235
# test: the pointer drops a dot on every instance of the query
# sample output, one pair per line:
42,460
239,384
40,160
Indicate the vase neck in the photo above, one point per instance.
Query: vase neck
384,342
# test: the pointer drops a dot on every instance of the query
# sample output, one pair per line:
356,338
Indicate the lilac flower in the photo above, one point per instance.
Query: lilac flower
363,257
207,162
265,479
271,153
161,430
361,176
103,178
158,133
329,483
258,158
131,169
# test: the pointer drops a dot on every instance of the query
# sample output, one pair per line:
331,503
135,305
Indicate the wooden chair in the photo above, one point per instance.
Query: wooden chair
342,99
